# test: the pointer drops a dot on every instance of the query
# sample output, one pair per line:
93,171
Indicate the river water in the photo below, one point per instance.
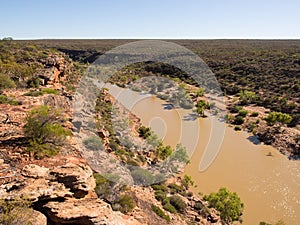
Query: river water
269,186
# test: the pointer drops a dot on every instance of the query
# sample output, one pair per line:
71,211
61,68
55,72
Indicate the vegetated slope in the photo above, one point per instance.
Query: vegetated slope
51,180
268,69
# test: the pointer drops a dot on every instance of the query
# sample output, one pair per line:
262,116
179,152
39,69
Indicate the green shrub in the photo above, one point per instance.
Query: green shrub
278,117
160,213
3,99
40,150
41,92
33,82
243,113
6,82
229,118
160,195
237,128
103,185
167,206
161,187
14,102
44,131
200,92
198,205
120,152
16,212
174,188
158,178
125,204
154,140
187,181
178,203
280,222
236,109
201,106
33,93
247,97
113,145
164,152
239,120
93,143
228,204
142,177
49,91
180,154
254,114
144,132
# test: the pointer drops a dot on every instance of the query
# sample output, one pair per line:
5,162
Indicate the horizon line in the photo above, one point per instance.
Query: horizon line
153,38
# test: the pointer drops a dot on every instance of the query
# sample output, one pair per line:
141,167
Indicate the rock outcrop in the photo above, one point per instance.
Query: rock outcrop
56,69
64,193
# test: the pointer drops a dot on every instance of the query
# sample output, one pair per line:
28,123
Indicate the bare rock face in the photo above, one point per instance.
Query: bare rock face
35,190
35,171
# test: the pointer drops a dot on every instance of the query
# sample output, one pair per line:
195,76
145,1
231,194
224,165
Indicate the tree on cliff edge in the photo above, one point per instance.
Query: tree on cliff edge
44,131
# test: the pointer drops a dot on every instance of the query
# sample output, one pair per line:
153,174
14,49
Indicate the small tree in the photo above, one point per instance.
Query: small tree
201,106
180,154
144,132
227,203
187,181
44,131
164,152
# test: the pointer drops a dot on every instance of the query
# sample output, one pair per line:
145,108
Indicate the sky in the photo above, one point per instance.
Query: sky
150,19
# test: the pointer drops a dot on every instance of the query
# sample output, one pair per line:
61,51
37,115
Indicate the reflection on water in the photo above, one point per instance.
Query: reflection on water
269,186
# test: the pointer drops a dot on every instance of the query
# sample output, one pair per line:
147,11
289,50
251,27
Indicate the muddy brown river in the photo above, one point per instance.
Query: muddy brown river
269,186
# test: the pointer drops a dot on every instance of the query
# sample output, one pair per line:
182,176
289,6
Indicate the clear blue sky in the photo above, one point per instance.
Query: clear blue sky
32,19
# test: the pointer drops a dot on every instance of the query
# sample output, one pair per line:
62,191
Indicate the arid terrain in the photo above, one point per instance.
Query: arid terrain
46,174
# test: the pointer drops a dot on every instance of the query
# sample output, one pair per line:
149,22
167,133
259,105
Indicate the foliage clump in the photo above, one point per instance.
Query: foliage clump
178,203
228,204
278,117
124,204
160,212
44,131
6,82
16,212
93,143
41,92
